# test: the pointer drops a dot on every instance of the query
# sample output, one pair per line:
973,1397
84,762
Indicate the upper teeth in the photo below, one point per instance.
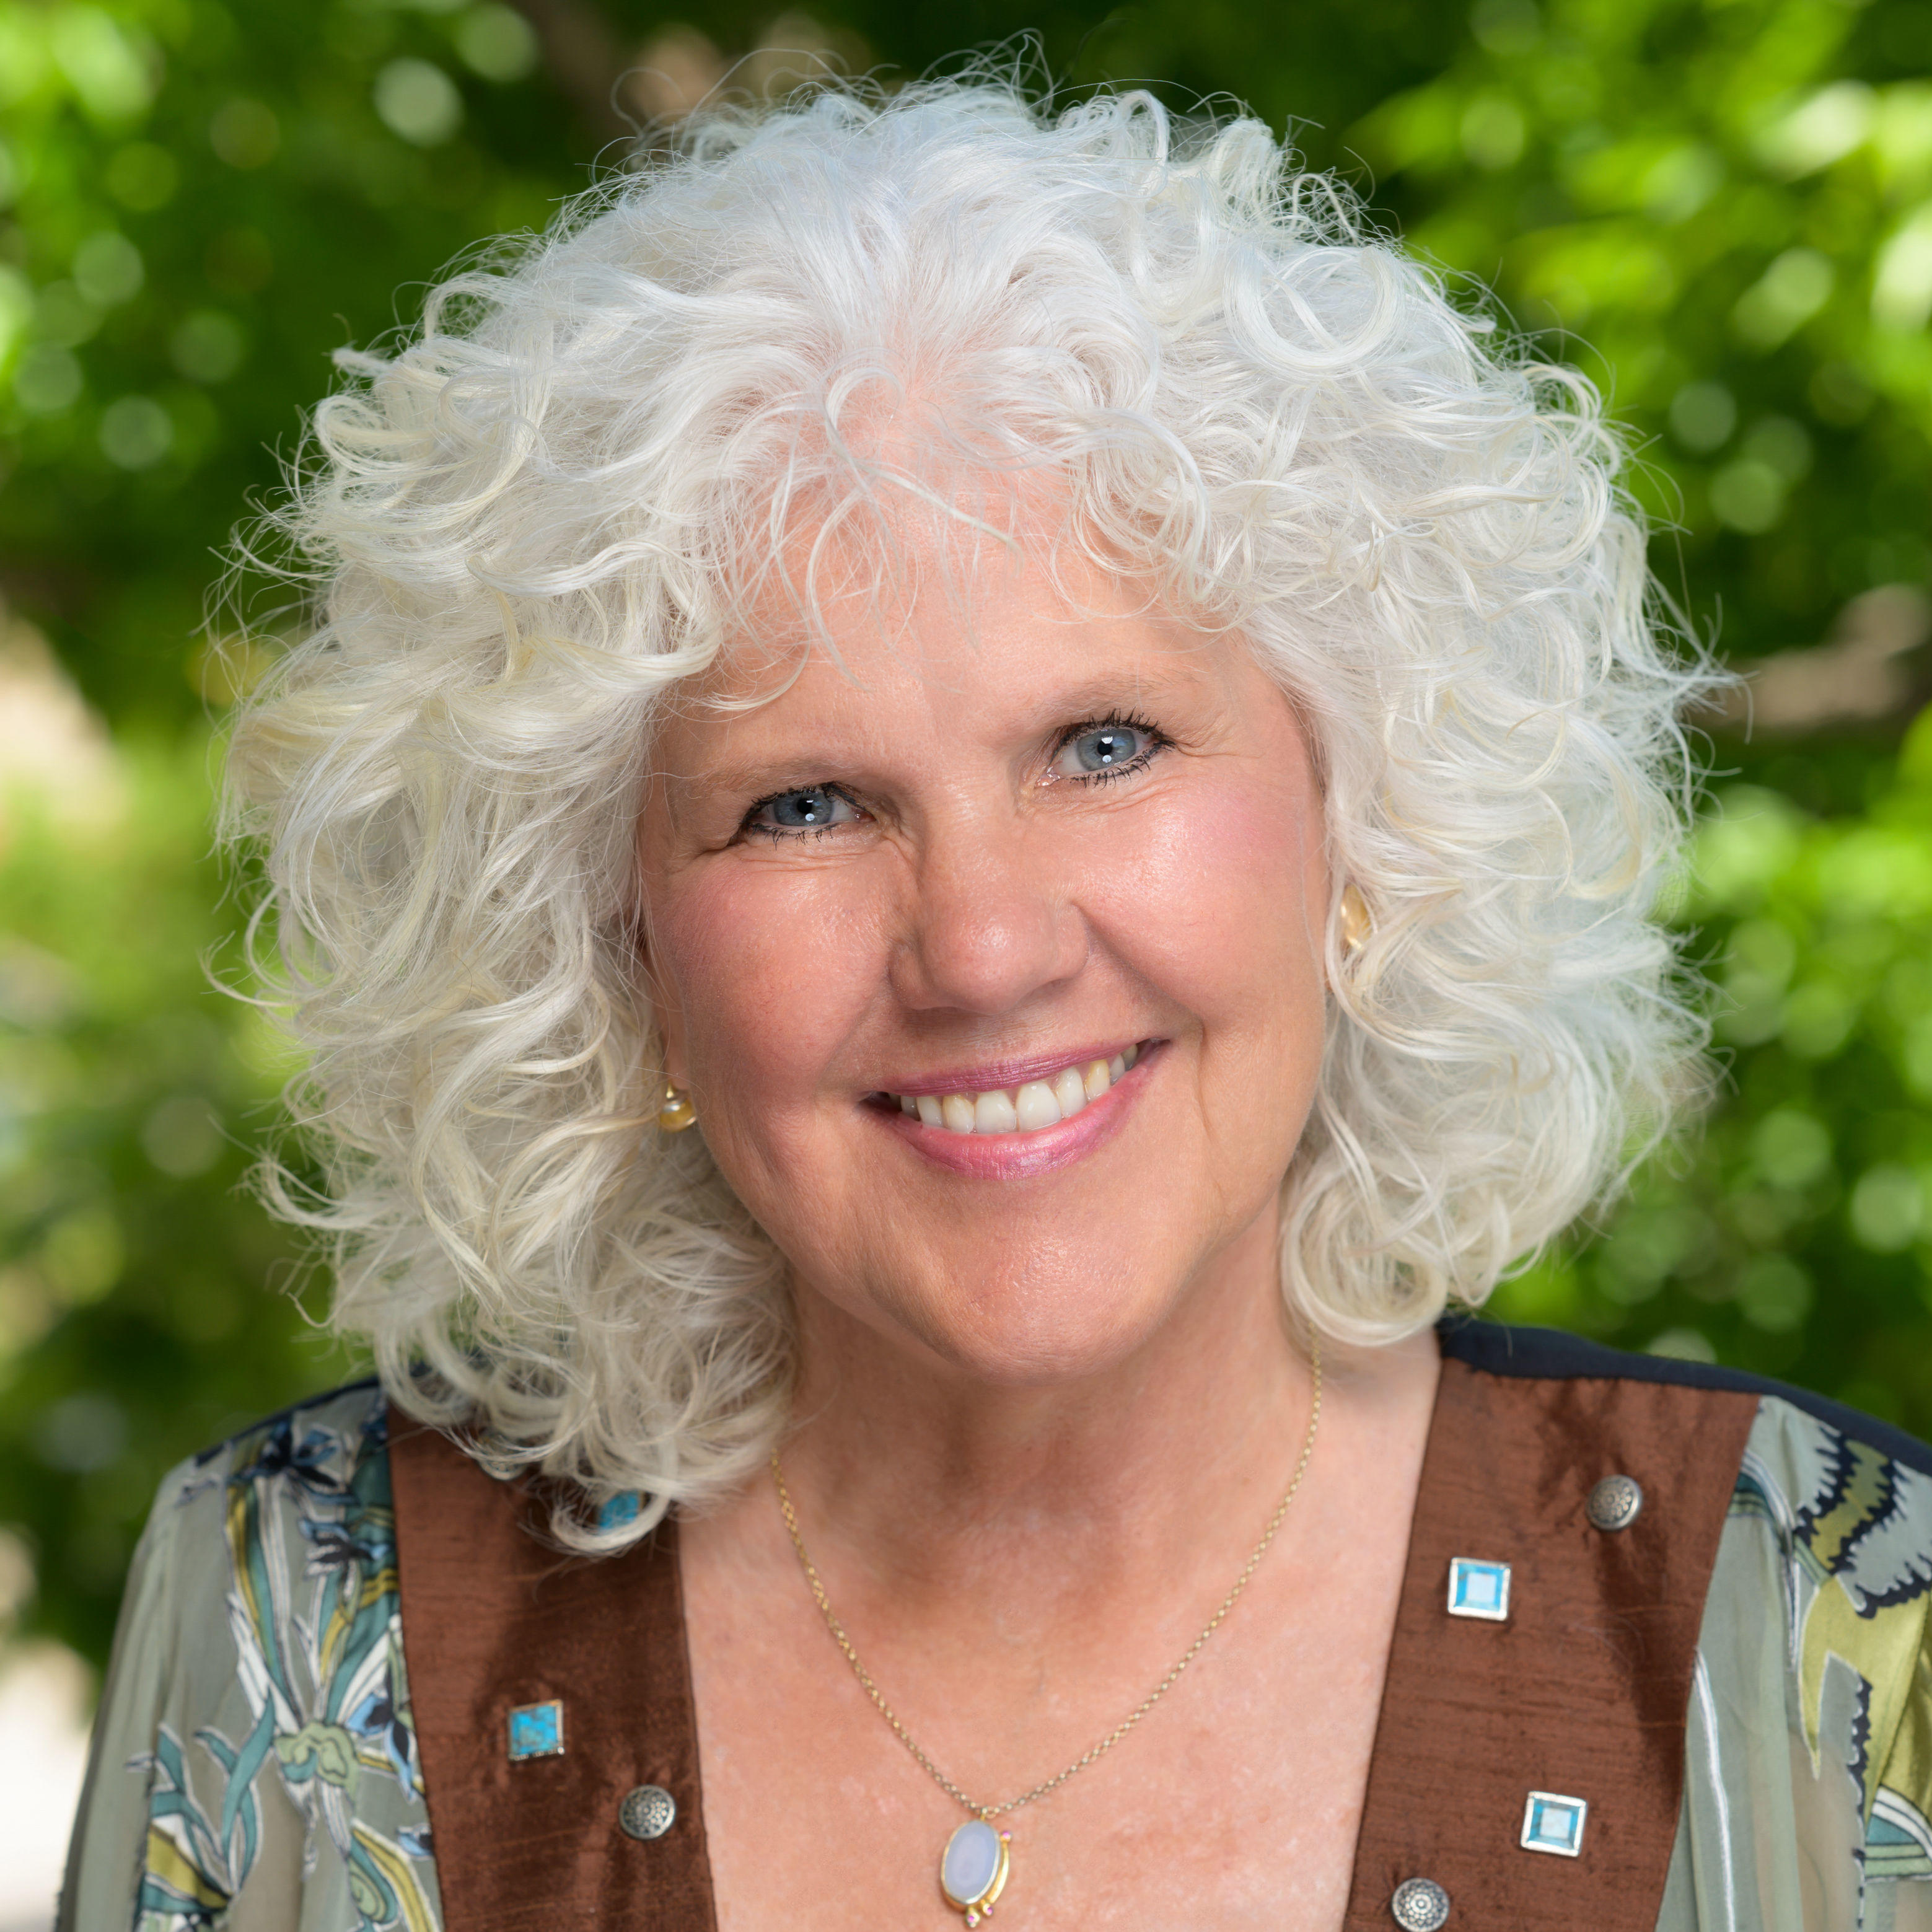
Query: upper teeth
1020,1110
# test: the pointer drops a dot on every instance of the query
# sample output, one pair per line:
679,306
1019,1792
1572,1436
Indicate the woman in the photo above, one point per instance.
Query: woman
1049,694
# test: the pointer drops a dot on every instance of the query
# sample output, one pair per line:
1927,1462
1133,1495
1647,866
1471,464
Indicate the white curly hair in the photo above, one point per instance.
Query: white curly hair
545,508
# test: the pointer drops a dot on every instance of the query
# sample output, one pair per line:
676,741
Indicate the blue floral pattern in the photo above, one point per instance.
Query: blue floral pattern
303,1768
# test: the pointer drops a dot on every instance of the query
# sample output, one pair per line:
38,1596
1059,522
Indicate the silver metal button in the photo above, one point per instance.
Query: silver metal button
648,1811
1614,1503
1420,1905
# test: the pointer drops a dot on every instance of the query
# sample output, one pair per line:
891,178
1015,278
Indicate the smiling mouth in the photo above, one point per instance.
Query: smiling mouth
1029,1108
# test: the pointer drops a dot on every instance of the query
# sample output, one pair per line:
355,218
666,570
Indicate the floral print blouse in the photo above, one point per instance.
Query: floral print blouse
254,1763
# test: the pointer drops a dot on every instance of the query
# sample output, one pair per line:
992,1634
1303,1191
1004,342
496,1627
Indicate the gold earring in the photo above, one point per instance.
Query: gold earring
1356,924
677,1113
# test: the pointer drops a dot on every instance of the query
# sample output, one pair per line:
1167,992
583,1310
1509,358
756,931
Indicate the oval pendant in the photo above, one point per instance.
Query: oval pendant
972,1872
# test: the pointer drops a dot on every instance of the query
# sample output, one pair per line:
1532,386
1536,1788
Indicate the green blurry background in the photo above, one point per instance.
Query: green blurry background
1722,209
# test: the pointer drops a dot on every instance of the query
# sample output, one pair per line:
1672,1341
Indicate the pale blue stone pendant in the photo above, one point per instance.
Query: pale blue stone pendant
972,1873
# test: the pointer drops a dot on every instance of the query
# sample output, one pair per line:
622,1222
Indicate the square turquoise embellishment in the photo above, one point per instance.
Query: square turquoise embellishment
1551,1823
536,1730
1479,1589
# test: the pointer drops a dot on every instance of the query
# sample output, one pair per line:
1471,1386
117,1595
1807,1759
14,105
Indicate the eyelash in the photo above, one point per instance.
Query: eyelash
1157,740
780,834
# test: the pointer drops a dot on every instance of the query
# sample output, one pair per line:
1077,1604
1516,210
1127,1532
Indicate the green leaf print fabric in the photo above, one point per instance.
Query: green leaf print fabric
254,1764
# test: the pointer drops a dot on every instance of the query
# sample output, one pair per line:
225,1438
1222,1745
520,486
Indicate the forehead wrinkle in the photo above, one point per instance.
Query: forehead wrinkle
903,520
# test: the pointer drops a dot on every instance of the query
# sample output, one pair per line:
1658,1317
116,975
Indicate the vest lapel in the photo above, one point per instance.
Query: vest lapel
1582,1691
495,1620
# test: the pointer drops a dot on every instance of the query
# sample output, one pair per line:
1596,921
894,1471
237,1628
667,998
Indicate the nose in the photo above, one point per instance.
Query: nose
990,924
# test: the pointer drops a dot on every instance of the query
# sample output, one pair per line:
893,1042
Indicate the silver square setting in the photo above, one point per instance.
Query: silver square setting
1551,1823
1479,1589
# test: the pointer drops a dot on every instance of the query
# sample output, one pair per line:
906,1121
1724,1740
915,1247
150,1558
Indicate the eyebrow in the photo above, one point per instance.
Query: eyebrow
1091,698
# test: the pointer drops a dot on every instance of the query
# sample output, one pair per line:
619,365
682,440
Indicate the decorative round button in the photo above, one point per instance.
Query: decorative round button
647,1812
1420,1905
1614,1503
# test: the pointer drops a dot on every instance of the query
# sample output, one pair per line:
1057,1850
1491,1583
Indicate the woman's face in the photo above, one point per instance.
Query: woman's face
981,868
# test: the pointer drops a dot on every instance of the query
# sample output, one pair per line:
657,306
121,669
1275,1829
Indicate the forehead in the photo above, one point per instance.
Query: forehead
945,612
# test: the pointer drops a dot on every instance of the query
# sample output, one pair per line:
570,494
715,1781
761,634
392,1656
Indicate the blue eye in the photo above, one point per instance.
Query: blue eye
1095,750
811,809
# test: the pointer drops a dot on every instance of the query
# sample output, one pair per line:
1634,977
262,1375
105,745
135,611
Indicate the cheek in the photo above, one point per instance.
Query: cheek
1224,912
766,975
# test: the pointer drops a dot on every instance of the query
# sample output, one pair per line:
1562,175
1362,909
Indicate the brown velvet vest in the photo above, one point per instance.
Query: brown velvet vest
1583,1690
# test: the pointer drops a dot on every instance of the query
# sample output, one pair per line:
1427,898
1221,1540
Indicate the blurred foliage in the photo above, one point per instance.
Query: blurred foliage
1731,207
137,1321
1794,1237
1721,209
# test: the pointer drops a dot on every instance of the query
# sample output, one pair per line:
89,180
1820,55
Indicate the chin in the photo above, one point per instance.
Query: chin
1027,1333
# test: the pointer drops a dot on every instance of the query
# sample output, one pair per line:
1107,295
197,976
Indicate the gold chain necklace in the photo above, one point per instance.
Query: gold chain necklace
973,1867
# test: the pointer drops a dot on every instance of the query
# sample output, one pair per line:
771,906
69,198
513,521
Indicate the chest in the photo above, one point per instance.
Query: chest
1234,1801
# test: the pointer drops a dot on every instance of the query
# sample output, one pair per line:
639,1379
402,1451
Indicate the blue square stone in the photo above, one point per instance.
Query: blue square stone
536,1730
1478,1589
1551,1823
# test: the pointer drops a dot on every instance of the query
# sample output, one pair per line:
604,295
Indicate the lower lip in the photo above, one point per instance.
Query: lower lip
1015,1156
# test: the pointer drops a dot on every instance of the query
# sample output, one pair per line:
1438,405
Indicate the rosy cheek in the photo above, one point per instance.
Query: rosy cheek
1227,886
1266,848
770,975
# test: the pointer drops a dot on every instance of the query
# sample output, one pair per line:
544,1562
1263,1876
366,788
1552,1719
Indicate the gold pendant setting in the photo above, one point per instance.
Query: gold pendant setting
973,1871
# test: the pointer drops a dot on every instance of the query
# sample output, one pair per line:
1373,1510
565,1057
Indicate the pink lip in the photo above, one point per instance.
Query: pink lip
1015,1156
992,1073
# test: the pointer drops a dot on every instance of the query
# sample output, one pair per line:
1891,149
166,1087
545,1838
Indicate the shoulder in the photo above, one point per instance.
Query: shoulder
297,1502
1817,1604
322,1437
1504,1350
255,1737
240,1491
243,1533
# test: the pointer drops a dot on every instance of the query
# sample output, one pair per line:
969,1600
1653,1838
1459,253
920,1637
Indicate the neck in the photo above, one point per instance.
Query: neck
929,1480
